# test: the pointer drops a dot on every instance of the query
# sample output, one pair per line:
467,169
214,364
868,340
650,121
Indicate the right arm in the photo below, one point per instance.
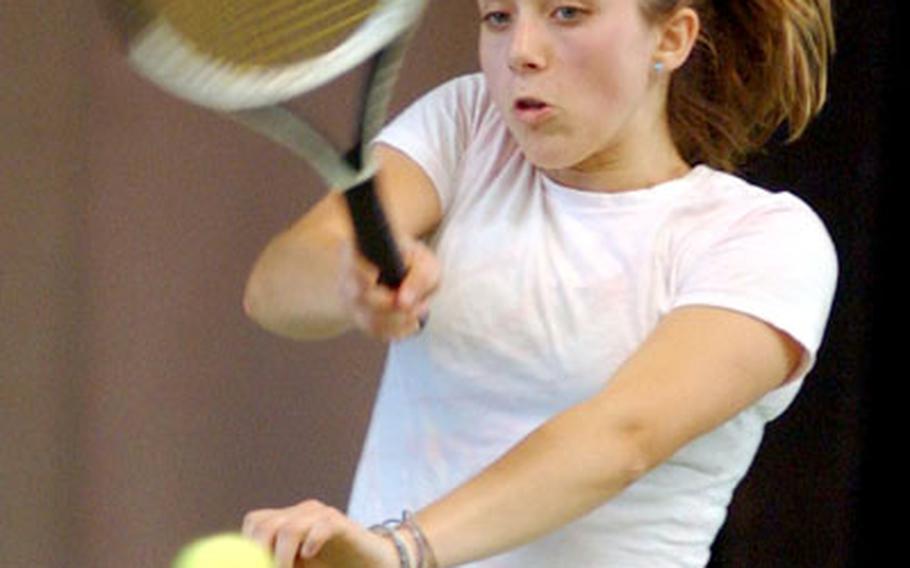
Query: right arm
309,283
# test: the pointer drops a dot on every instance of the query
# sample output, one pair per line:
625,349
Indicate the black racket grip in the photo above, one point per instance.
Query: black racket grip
374,237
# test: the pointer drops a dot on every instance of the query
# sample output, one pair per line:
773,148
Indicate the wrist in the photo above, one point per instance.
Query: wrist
389,553
413,550
397,553
406,544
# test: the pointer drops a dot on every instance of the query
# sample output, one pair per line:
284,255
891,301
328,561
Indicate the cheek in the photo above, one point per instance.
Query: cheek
492,52
494,70
610,64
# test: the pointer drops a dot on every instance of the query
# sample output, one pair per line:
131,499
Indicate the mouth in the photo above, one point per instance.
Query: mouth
531,110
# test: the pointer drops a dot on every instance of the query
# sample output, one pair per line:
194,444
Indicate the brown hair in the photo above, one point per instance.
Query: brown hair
756,65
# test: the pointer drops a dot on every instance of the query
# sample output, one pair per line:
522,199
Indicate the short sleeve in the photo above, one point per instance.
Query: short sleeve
774,261
436,129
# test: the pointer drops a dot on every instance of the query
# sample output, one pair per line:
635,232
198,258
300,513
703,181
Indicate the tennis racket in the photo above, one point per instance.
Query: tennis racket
245,58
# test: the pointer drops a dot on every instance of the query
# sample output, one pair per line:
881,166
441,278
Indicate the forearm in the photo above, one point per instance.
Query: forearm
293,289
569,466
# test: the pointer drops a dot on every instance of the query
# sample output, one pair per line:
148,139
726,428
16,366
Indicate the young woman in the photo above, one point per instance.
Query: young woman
612,317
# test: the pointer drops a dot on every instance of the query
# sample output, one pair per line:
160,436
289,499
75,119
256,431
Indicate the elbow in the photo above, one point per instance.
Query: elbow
631,455
261,306
625,453
608,452
266,305
253,299
292,288
273,308
256,301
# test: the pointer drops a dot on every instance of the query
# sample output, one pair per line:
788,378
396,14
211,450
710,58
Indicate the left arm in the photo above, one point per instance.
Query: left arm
699,368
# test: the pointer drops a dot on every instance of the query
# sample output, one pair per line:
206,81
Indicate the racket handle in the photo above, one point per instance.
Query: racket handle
374,237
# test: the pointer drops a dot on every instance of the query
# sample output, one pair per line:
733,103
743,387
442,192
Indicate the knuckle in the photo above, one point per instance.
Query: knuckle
288,531
268,527
253,519
311,504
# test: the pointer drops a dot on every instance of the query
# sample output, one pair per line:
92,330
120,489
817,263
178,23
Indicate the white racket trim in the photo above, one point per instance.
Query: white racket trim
282,126
166,58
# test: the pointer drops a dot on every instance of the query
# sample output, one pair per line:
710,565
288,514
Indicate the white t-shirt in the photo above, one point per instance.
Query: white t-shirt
545,291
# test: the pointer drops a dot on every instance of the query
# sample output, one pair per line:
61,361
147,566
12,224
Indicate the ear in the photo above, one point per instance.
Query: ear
678,34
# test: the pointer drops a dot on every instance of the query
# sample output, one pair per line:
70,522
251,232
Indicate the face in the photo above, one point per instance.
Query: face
574,79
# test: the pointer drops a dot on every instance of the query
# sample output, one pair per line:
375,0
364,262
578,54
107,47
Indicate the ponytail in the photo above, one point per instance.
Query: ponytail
756,65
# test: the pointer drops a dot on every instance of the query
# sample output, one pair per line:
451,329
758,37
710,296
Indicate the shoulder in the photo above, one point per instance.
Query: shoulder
444,120
471,84
721,206
768,254
464,99
736,194
471,87
452,125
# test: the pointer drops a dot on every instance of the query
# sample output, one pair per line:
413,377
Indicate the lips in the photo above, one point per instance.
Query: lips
529,104
531,110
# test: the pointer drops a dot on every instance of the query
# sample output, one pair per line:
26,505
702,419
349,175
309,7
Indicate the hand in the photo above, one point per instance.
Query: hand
313,535
379,311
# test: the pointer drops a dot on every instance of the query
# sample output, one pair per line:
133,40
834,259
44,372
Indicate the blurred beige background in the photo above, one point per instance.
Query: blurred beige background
140,409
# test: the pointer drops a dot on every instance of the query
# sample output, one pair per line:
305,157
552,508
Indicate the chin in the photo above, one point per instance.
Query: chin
549,150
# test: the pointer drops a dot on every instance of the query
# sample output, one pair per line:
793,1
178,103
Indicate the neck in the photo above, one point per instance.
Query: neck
644,159
600,175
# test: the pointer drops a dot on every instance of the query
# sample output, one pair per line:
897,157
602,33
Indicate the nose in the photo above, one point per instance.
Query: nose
528,47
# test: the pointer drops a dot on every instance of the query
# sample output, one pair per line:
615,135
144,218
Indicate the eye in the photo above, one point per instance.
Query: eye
496,19
568,13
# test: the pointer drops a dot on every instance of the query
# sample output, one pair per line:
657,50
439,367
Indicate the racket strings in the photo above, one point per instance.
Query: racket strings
287,41
289,29
265,32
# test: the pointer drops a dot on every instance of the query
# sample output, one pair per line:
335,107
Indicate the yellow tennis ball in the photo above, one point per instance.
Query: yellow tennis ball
227,550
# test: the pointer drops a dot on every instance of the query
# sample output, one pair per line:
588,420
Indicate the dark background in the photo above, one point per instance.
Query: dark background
140,409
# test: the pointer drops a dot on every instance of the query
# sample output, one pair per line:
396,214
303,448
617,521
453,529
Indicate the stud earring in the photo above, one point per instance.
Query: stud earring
658,67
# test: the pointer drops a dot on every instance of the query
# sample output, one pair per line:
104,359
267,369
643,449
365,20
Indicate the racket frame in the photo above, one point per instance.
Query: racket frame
253,96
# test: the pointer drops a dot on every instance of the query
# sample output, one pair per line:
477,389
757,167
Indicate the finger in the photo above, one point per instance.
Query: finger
287,543
423,308
372,298
422,277
357,265
374,310
258,526
359,285
385,325
355,269
376,298
319,534
290,527
371,310
365,268
354,273
404,330
250,520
